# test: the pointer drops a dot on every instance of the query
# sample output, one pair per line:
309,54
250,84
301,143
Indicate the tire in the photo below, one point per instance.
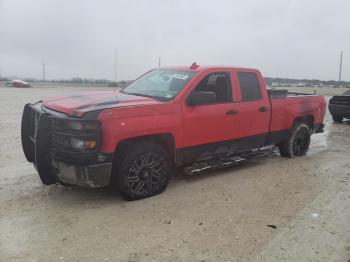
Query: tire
298,141
337,119
143,171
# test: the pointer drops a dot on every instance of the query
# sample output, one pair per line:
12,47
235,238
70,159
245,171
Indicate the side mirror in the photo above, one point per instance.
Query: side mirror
201,98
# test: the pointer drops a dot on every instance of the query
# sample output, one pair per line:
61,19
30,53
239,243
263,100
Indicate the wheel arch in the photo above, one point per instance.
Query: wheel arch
164,139
309,120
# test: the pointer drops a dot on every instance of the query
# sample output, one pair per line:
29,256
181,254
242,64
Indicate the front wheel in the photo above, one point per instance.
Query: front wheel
144,171
298,142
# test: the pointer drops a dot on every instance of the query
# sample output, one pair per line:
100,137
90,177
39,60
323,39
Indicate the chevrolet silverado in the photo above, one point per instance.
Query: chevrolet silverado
169,117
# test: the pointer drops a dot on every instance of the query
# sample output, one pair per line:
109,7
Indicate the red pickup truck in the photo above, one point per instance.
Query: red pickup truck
168,117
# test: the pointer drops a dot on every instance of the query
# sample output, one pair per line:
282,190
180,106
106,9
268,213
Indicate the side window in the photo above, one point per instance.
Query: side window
219,84
250,87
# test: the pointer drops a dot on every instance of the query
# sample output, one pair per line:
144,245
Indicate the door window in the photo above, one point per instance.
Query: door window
219,84
249,85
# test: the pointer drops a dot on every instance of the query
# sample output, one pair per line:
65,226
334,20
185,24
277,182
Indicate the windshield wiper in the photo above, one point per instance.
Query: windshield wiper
144,95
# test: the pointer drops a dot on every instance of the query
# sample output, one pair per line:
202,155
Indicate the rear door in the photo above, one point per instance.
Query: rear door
241,118
253,105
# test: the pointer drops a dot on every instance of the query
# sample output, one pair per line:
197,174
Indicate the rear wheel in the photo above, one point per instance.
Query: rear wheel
337,118
298,142
144,171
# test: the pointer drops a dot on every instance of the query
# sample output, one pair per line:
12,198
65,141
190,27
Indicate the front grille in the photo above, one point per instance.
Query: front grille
58,124
62,135
59,142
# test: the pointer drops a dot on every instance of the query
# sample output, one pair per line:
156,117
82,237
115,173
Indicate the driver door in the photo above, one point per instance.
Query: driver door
210,123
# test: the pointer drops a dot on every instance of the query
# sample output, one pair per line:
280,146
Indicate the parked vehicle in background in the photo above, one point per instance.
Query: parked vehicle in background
169,117
339,106
19,83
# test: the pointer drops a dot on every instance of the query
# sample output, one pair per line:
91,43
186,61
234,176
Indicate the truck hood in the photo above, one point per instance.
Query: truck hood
78,105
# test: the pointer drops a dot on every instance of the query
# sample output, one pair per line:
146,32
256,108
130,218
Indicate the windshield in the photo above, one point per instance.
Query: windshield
160,84
346,93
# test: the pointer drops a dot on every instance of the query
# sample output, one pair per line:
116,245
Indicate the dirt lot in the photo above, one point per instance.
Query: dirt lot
220,216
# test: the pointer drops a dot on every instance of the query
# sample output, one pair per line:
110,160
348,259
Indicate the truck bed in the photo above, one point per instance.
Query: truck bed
288,106
284,93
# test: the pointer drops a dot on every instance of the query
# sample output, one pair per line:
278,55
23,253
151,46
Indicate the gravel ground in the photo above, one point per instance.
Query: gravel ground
219,216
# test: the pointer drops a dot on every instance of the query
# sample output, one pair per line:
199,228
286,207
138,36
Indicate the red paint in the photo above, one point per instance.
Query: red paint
133,116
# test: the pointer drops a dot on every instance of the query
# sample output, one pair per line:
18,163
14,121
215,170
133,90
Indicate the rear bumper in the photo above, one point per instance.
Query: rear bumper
90,171
339,110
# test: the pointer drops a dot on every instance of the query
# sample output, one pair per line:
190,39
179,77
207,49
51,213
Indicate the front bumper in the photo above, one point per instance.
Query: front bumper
91,169
90,176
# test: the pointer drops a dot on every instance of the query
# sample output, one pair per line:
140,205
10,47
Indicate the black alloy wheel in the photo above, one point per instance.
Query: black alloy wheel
147,174
144,171
301,142
298,141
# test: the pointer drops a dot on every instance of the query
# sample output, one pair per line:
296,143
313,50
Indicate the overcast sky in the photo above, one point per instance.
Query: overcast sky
295,38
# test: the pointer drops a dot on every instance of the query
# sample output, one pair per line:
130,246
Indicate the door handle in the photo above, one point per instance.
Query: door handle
263,109
232,112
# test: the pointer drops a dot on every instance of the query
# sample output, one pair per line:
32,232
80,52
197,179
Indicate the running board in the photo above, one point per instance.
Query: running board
229,160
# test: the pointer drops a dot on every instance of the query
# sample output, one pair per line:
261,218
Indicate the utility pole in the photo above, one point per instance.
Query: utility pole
43,71
341,65
158,62
115,65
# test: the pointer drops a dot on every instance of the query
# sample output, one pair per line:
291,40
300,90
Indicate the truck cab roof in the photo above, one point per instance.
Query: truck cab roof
199,68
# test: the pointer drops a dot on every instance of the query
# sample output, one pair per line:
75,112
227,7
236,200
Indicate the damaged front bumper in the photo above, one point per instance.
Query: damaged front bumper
90,176
43,145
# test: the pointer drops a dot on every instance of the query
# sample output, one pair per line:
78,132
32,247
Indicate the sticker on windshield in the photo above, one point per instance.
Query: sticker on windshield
179,76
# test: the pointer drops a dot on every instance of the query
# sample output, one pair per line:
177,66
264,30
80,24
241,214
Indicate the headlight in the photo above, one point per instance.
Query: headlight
75,125
81,144
75,135
83,125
